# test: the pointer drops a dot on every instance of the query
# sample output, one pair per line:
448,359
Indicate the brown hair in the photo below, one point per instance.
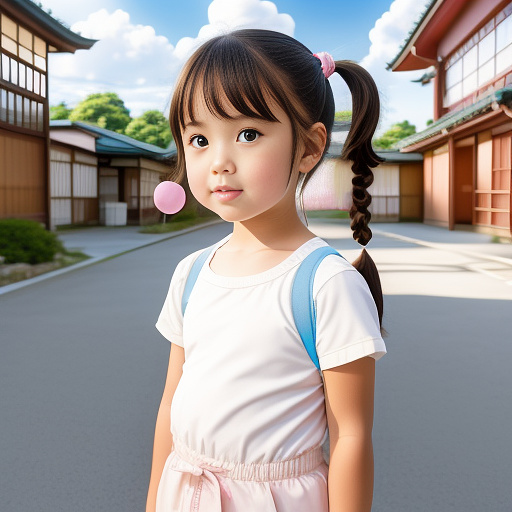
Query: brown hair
251,69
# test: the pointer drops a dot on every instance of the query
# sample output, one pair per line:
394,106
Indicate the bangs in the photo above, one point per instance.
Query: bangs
227,74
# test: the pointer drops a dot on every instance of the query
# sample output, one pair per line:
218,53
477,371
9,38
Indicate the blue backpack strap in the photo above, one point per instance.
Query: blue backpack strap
192,277
303,305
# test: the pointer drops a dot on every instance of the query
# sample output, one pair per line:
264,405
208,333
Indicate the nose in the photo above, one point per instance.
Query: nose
222,162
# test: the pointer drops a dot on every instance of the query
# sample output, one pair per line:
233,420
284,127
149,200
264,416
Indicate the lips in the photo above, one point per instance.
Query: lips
225,194
225,188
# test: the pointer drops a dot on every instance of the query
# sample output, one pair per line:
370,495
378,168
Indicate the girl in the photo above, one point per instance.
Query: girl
244,411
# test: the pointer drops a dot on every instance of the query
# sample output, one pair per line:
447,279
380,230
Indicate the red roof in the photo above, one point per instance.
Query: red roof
455,17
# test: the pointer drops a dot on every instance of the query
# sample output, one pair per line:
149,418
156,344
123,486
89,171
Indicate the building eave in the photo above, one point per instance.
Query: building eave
493,105
407,50
427,77
63,124
393,156
390,156
109,143
45,26
420,50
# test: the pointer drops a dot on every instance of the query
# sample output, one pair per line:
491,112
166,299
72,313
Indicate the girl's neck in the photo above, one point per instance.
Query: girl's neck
279,235
259,244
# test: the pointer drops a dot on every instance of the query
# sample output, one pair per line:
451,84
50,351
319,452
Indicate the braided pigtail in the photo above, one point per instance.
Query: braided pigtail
358,149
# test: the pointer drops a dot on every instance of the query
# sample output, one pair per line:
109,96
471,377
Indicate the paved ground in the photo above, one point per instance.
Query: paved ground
101,243
82,369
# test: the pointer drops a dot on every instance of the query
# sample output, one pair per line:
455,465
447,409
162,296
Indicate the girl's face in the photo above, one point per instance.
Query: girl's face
240,168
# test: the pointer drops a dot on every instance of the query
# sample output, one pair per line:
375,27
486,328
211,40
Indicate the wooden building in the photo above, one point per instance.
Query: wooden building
466,49
397,190
91,166
27,36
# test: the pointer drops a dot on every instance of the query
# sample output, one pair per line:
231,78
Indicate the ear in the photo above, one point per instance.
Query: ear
316,138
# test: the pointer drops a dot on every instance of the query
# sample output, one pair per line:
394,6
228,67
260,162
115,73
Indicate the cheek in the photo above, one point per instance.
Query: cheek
275,172
274,180
192,183
196,180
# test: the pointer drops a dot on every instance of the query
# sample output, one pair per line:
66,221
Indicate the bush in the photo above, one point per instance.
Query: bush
188,214
27,241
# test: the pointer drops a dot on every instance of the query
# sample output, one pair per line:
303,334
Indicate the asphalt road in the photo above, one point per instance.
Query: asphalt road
82,370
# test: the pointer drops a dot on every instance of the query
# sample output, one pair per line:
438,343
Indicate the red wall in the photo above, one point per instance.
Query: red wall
436,186
469,19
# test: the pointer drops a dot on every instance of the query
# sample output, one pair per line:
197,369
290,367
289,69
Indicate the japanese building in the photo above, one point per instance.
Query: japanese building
92,169
28,36
465,48
397,189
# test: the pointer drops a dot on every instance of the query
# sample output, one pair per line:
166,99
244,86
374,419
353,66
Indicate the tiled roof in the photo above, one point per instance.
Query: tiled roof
390,156
427,76
341,126
113,143
393,156
412,33
452,119
44,20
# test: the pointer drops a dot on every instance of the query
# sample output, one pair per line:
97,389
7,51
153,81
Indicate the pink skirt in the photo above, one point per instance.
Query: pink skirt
193,483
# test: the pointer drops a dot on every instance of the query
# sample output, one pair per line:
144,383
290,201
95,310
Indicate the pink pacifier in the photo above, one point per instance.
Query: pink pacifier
169,197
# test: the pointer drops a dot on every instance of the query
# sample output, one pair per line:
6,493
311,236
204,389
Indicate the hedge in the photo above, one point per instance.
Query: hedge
27,241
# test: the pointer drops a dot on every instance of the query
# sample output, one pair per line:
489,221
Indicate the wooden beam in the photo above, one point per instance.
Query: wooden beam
510,189
475,171
479,123
451,184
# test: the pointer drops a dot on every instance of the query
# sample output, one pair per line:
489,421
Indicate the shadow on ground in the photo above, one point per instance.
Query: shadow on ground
443,414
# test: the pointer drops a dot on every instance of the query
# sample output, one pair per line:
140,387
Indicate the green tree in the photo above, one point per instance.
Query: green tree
343,115
397,132
60,111
151,127
104,109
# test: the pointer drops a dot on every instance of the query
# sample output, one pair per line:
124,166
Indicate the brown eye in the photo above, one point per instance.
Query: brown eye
248,136
199,141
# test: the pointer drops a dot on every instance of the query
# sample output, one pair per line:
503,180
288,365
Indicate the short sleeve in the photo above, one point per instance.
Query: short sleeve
170,320
347,320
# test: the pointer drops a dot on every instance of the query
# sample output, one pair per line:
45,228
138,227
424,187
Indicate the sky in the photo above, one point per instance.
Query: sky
142,46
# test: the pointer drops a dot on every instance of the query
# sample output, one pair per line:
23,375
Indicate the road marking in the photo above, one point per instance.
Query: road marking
504,264
490,269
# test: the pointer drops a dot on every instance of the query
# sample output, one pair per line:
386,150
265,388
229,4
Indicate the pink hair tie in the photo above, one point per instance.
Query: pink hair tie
327,62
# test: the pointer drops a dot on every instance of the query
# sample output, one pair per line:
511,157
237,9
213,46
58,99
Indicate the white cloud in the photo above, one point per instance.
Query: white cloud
69,11
227,15
400,99
391,29
140,65
129,59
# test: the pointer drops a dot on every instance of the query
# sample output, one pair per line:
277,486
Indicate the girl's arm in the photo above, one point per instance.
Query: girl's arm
163,438
349,391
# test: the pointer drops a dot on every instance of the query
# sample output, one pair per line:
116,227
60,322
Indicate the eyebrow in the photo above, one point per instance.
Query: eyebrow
193,124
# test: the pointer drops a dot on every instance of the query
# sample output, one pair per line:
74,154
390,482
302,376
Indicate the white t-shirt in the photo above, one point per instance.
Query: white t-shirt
249,391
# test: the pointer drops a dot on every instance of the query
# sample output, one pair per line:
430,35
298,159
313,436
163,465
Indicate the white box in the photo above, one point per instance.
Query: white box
115,214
